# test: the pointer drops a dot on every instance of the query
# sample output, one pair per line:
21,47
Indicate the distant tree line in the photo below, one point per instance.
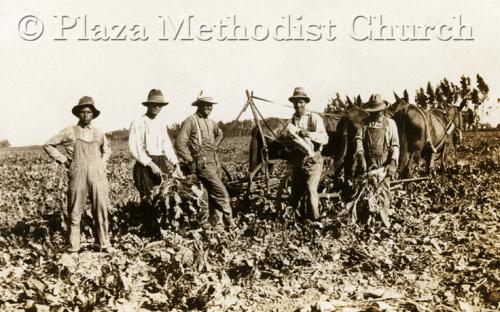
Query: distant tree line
447,93
230,129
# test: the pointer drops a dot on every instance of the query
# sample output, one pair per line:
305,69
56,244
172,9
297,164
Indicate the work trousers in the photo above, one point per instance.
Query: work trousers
144,181
305,180
87,176
384,188
219,207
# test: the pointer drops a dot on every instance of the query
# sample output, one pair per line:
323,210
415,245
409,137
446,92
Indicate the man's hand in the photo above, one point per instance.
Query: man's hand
303,133
359,166
178,172
392,169
154,168
187,168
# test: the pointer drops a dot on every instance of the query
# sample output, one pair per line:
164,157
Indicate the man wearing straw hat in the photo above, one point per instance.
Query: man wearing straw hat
151,147
87,151
196,146
307,168
377,145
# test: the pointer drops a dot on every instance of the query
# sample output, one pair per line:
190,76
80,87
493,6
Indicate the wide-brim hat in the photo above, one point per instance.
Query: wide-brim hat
375,104
203,99
85,101
155,97
299,94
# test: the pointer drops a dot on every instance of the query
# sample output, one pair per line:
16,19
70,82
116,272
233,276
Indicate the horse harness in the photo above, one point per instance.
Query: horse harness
449,127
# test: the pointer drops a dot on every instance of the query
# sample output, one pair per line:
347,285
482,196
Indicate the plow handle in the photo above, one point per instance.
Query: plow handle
410,180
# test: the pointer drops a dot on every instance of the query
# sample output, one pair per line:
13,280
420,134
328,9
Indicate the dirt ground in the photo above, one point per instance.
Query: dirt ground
441,252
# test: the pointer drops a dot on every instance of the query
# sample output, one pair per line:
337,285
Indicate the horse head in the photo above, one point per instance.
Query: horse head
397,107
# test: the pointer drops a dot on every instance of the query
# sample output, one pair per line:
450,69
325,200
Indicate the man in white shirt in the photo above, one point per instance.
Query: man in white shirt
306,169
150,145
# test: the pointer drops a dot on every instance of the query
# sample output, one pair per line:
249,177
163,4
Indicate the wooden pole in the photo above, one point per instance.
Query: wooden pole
264,153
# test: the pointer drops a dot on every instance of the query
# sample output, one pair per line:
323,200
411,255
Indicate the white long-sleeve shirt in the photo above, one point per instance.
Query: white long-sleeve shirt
313,123
150,137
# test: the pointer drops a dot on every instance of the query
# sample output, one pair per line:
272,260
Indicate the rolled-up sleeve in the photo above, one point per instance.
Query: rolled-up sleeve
50,147
181,142
136,144
319,136
393,140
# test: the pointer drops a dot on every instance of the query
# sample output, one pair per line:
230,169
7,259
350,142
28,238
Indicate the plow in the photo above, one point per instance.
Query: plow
275,184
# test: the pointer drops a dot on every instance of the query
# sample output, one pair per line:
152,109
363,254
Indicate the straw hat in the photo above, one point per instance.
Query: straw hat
375,104
203,99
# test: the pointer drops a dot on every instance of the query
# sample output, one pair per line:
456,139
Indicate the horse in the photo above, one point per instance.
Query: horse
340,127
423,133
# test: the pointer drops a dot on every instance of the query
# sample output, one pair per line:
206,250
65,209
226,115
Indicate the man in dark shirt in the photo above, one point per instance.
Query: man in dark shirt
196,147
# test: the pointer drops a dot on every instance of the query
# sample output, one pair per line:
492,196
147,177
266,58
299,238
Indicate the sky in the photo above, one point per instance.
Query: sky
41,80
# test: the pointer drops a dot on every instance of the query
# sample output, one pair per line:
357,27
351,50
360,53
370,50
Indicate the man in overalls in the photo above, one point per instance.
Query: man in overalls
377,145
151,147
196,146
306,169
87,152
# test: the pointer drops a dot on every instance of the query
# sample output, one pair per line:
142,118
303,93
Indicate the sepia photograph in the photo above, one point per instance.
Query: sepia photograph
303,156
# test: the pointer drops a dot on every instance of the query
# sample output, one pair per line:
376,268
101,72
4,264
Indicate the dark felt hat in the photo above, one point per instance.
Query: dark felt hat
85,101
298,94
155,97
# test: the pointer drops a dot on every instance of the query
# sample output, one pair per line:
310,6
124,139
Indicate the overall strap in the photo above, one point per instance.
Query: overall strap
76,132
310,124
198,129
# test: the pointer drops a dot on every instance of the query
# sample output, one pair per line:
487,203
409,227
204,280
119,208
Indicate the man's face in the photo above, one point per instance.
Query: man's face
85,115
154,109
205,109
375,115
299,106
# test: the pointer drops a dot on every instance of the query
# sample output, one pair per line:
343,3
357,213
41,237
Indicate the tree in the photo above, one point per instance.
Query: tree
430,94
420,97
482,86
455,91
475,99
465,86
439,97
4,143
447,92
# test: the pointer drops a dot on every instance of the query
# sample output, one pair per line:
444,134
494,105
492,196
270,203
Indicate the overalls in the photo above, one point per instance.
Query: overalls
305,180
87,175
207,170
376,148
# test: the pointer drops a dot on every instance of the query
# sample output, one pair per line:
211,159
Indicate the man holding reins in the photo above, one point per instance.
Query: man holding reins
377,145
